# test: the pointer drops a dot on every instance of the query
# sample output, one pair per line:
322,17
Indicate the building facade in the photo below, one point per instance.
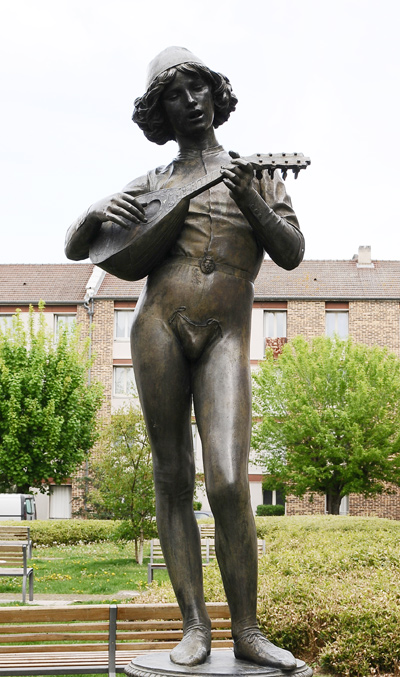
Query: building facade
358,298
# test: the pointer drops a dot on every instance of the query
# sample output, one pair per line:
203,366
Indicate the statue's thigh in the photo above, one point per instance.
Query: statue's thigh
163,381
222,399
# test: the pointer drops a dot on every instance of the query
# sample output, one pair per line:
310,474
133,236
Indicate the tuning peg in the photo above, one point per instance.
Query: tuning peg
296,171
271,171
259,174
284,174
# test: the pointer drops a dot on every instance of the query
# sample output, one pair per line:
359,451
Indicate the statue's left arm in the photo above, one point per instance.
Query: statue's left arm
269,212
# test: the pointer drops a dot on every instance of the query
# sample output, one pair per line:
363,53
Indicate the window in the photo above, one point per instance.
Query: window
60,502
274,324
64,323
123,323
124,382
273,497
274,330
337,323
5,322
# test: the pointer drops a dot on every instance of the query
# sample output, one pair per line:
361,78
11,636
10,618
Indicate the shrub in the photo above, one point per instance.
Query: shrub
270,510
197,505
71,531
328,591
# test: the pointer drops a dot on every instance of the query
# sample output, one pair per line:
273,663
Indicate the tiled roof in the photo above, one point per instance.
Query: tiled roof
311,280
54,283
325,280
330,280
112,287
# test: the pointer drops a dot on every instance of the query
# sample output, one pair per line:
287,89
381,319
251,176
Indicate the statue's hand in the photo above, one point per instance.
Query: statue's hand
120,208
239,179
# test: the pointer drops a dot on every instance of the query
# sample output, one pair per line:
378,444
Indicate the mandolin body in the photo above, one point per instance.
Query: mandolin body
132,253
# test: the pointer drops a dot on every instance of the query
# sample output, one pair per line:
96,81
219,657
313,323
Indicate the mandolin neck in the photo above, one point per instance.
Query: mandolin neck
200,185
270,162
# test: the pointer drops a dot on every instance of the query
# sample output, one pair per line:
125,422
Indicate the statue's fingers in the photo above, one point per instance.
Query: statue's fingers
128,200
231,176
130,214
243,164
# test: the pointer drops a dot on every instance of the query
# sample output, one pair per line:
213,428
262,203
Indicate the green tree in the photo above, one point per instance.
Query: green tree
122,475
47,409
329,418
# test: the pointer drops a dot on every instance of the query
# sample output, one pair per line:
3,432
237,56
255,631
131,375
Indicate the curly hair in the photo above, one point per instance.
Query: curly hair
149,114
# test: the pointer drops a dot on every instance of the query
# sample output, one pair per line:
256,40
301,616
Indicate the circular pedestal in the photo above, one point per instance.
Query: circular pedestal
221,663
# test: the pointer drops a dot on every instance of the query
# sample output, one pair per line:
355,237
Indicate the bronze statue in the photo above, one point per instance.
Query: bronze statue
191,330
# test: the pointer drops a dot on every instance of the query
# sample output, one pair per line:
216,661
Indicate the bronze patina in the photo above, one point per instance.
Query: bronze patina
191,330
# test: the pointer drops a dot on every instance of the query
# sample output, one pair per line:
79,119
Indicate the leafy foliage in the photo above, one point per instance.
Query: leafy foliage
328,591
49,533
122,473
268,510
47,409
330,418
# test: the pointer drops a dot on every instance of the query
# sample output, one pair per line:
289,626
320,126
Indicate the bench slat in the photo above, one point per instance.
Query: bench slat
165,611
95,612
56,637
164,634
34,630
85,633
50,648
14,572
167,625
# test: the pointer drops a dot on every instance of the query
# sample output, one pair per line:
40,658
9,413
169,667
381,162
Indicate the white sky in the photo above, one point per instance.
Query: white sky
311,76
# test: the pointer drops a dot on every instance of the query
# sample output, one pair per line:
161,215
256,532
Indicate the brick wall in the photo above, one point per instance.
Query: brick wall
306,318
386,505
370,322
376,323
102,370
305,506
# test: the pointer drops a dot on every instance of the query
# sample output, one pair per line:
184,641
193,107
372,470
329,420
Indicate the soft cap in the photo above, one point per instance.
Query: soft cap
168,58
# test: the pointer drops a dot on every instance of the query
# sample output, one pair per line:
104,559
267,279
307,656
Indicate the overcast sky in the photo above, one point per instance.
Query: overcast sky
311,76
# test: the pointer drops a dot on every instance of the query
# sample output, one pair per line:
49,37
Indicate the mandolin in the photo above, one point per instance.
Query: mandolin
132,253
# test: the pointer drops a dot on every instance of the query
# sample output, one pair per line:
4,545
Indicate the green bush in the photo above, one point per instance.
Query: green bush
328,590
71,531
270,510
197,505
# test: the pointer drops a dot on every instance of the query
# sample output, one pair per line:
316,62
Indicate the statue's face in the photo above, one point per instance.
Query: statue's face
188,104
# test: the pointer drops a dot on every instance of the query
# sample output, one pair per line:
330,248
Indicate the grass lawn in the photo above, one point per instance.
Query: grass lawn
97,568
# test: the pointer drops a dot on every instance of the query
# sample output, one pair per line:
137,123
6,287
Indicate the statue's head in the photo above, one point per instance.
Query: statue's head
148,112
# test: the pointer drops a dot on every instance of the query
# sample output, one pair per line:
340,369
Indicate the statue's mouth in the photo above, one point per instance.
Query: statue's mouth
194,115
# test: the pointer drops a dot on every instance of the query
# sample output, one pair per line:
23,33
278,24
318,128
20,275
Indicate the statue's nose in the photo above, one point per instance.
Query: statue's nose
190,98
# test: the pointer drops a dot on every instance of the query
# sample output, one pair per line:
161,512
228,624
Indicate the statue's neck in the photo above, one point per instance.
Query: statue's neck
203,141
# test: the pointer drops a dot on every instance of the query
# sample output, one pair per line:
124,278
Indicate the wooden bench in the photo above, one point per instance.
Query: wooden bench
13,563
157,558
207,530
93,639
16,533
207,553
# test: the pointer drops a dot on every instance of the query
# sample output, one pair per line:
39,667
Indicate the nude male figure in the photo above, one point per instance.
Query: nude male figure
190,340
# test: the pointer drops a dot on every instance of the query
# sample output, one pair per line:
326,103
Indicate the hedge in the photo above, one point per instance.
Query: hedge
270,510
329,591
72,531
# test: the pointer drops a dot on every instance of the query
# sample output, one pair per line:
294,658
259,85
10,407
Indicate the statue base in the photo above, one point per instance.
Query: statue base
220,663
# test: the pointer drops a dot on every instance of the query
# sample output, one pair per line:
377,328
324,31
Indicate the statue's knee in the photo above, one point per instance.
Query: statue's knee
228,496
174,487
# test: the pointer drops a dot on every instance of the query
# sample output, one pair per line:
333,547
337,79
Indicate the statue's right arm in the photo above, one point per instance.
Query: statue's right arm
124,209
